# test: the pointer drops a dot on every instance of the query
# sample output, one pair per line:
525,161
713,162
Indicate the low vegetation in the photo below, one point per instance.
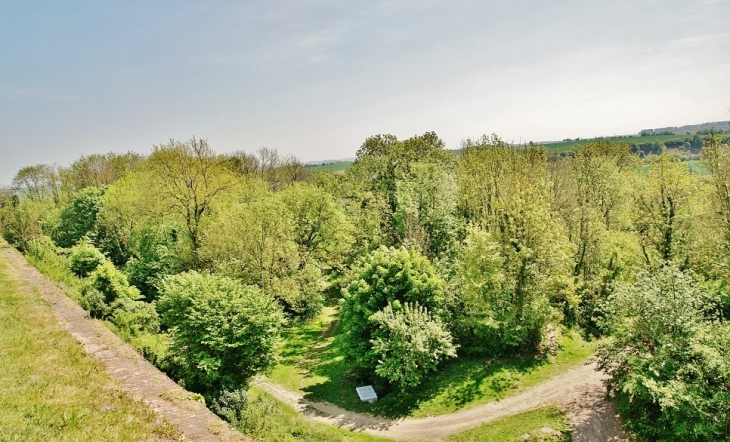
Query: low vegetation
52,390
255,413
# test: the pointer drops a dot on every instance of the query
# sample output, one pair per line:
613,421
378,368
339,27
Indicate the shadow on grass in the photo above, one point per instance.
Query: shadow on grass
454,385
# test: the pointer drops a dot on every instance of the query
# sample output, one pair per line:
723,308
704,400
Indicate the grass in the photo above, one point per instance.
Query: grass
51,389
697,167
312,364
694,167
529,426
339,166
278,422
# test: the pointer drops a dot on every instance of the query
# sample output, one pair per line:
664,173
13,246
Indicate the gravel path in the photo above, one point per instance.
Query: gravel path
139,378
579,391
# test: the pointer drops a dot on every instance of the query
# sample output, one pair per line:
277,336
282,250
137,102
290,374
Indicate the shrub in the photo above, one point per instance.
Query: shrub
135,316
21,222
93,301
409,343
106,291
79,217
112,283
669,360
385,277
222,332
155,256
85,258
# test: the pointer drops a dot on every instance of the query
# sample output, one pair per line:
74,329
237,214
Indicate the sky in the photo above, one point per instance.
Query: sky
315,78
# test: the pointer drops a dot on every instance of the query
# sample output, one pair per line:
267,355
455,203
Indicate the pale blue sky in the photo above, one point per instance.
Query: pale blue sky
315,78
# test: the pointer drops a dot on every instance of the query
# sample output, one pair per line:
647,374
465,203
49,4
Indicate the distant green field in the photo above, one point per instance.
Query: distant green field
565,146
560,146
339,166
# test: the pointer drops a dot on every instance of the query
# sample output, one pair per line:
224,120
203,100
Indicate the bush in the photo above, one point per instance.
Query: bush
93,301
236,407
21,222
41,248
669,359
112,283
154,257
385,277
85,258
135,316
409,343
106,291
222,332
79,217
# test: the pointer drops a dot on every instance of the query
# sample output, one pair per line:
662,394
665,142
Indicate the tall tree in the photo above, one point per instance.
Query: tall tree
38,182
383,160
186,179
98,170
716,156
425,208
664,214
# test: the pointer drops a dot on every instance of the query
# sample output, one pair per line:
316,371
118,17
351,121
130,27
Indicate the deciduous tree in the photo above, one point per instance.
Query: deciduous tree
222,332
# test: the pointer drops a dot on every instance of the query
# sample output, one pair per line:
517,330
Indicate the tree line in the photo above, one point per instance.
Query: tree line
201,259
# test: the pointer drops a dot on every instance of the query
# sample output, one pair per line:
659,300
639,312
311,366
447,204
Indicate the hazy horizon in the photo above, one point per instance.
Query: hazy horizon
315,78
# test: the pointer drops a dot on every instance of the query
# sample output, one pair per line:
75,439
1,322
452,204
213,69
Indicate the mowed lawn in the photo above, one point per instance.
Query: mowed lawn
50,389
312,364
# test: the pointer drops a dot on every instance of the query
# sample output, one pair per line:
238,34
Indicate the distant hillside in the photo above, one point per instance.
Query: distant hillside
683,142
325,162
691,128
329,165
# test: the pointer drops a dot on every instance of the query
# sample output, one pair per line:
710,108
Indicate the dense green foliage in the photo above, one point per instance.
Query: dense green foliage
432,256
223,332
85,258
669,358
390,278
409,343
79,217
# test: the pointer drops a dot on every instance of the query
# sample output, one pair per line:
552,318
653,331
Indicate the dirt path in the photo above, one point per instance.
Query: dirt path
578,391
138,377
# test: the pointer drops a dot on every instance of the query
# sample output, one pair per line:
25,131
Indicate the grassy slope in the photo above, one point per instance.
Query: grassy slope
281,423
526,426
313,365
51,389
